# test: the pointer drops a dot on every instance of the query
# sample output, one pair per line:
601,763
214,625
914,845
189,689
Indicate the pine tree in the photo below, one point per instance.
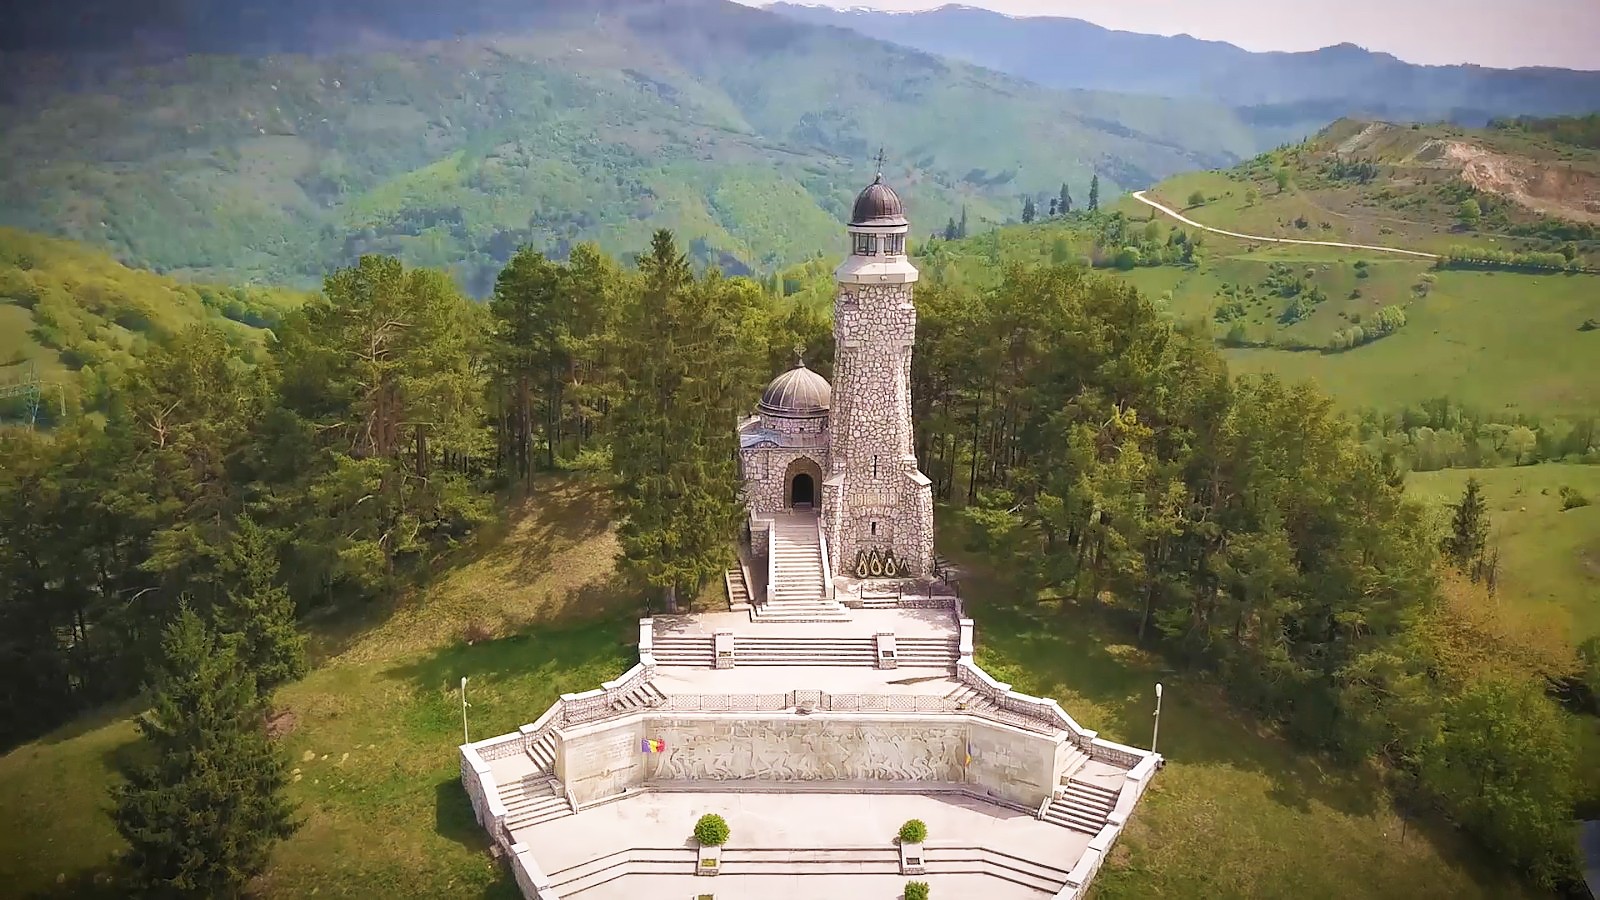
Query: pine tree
950,231
690,350
1094,194
203,809
1065,202
961,229
1055,207
256,616
1469,528
1028,211
532,350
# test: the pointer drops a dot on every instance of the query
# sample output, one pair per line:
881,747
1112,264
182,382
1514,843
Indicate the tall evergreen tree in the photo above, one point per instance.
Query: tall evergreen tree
1028,211
961,227
1469,528
690,356
1064,204
950,231
1094,193
256,617
202,810
532,351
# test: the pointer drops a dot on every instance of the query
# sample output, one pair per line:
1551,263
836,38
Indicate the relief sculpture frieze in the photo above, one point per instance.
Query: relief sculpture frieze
813,750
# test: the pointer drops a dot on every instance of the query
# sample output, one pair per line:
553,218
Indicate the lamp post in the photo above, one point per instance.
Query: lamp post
464,738
1157,733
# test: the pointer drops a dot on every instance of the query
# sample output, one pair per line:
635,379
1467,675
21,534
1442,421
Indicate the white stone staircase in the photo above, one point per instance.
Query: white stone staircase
738,591
689,650
543,754
532,801
804,651
642,696
798,589
930,652
1081,806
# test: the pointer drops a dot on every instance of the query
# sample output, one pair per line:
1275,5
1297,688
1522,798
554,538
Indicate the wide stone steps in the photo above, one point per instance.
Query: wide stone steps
801,651
970,698
941,652
533,802
543,753
800,611
1081,806
586,876
697,650
995,864
810,861
640,697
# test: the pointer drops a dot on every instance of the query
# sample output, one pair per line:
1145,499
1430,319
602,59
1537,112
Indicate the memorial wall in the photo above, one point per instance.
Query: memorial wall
604,759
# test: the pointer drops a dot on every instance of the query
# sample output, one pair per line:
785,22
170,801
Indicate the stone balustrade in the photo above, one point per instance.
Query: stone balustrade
479,781
535,884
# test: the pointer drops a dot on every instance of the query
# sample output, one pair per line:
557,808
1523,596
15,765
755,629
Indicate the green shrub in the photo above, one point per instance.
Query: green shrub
1572,499
916,890
711,830
914,831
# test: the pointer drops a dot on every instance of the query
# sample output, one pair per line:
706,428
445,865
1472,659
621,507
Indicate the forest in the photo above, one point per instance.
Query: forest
1097,453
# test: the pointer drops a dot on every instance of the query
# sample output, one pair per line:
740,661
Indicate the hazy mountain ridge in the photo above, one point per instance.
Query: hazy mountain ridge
1298,91
745,131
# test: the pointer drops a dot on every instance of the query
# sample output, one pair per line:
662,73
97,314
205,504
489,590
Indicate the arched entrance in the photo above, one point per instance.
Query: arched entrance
802,482
802,491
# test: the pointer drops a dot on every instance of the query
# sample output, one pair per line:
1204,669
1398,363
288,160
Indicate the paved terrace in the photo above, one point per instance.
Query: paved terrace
863,623
841,844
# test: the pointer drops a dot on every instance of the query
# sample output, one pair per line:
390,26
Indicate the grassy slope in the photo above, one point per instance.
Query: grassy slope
1497,341
1550,559
65,307
736,127
1235,814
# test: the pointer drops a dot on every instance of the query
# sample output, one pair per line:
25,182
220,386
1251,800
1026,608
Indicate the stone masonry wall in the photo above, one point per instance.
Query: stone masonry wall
764,469
882,502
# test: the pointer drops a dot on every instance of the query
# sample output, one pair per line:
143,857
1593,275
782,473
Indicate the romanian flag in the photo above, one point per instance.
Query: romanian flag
652,745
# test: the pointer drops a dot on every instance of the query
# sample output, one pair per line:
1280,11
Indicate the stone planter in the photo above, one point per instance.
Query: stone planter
912,861
710,862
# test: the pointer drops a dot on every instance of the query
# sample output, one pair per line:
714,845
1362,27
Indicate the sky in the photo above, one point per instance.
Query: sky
1499,33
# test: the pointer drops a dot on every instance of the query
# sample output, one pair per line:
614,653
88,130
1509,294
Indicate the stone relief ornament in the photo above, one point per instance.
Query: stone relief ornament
814,751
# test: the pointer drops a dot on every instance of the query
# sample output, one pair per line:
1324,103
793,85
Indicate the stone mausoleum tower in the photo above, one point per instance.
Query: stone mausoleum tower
874,500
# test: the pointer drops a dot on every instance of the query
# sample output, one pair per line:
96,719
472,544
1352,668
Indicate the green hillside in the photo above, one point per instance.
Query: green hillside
1549,556
75,318
746,133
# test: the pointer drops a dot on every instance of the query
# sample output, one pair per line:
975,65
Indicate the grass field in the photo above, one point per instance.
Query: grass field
1236,813
1549,559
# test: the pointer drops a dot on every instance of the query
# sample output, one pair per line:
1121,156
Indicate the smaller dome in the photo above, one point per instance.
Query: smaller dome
797,394
878,206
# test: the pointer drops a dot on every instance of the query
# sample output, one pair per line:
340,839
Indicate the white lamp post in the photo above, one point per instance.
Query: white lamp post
464,738
1157,733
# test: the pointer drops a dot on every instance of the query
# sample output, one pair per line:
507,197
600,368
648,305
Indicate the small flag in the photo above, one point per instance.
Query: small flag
652,745
969,753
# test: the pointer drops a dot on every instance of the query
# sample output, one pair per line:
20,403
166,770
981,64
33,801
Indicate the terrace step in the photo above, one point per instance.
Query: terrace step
533,801
974,861
738,591
636,861
684,650
543,753
1081,806
642,696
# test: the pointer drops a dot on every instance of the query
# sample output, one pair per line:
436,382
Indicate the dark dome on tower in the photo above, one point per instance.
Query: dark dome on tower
878,206
797,394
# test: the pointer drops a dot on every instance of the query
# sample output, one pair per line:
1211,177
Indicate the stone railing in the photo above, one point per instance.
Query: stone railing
531,879
1117,754
1037,709
500,747
728,702
827,566
772,562
647,644
484,794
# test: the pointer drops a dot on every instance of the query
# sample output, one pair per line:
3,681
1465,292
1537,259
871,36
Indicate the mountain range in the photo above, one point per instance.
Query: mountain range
255,141
1290,94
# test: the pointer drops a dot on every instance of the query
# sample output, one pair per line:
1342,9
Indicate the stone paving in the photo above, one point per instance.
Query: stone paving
799,820
863,623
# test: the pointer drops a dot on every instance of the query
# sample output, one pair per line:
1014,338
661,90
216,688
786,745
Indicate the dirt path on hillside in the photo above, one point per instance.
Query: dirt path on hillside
1139,196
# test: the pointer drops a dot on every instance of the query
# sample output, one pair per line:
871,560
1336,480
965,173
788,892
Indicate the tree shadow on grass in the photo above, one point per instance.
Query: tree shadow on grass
1044,648
558,512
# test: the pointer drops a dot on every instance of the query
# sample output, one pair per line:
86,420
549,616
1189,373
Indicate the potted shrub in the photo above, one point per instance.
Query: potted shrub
711,832
916,890
912,834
